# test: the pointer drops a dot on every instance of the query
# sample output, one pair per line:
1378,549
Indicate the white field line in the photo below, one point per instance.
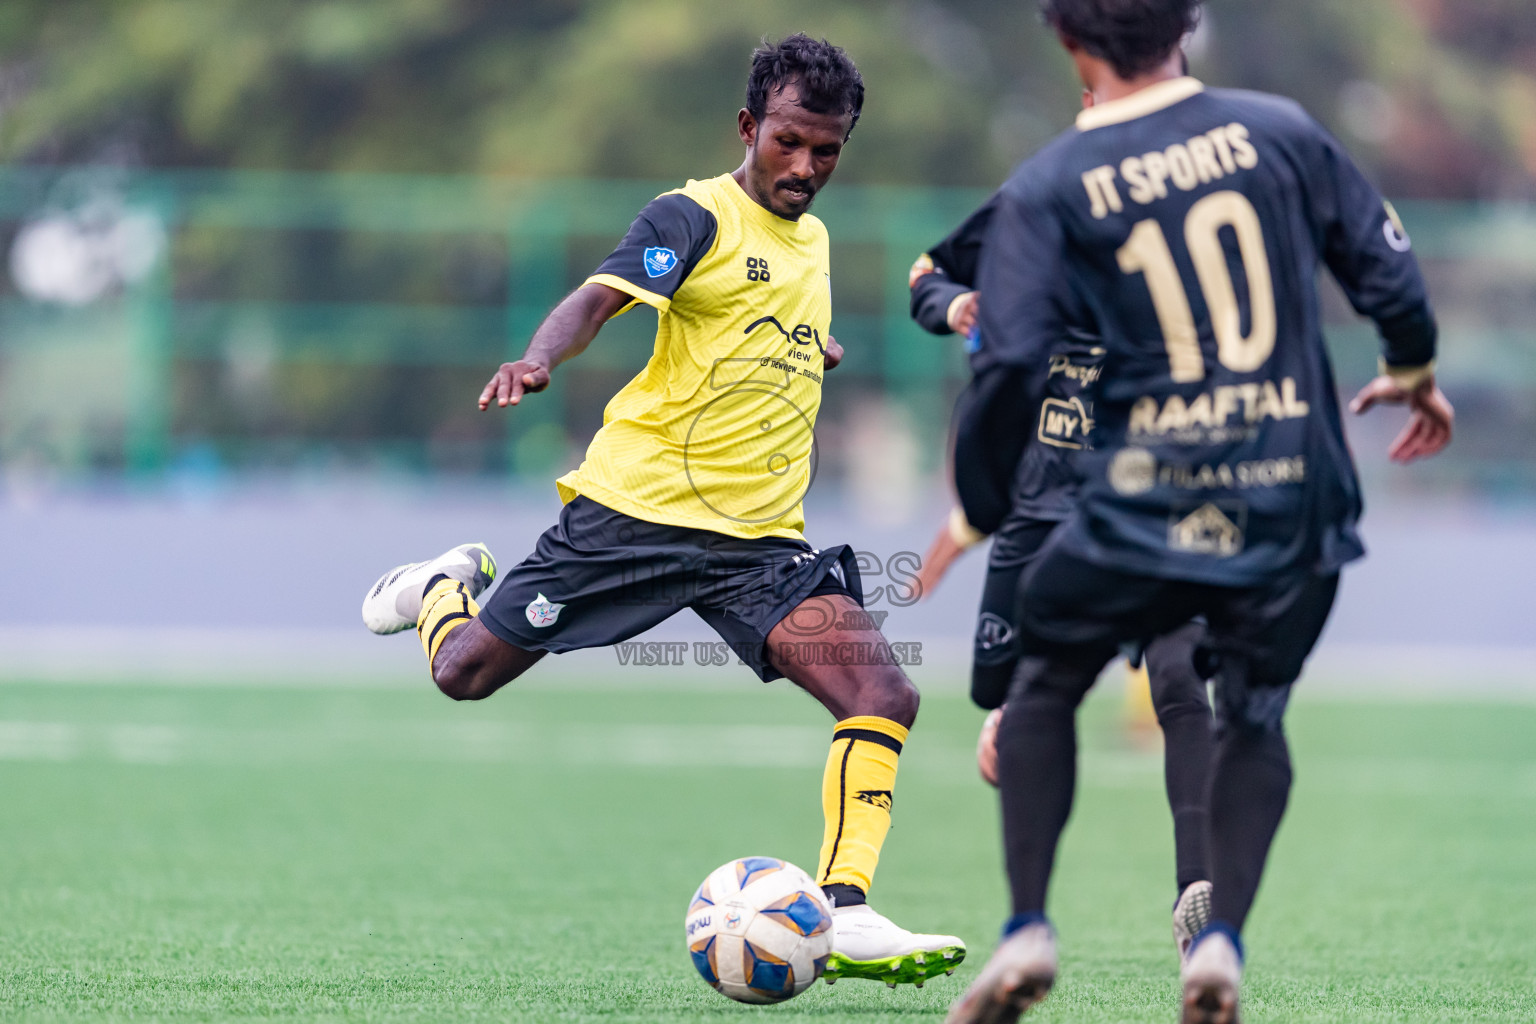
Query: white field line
486,742
720,746
353,658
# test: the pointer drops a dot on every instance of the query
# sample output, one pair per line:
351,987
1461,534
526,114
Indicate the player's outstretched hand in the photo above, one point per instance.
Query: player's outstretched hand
1430,416
833,354
511,381
986,746
941,555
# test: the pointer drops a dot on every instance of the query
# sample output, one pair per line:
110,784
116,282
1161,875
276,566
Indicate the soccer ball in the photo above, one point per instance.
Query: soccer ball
759,930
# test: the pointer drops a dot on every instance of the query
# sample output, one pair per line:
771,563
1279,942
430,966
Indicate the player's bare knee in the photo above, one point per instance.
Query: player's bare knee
458,677
454,682
898,698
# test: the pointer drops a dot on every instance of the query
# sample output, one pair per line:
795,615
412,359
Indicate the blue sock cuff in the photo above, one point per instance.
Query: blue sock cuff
1221,928
1018,921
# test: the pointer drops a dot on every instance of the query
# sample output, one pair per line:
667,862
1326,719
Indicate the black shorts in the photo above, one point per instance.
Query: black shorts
1257,638
995,646
599,577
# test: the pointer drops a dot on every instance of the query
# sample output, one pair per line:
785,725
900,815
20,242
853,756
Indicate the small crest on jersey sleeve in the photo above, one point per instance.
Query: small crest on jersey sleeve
659,261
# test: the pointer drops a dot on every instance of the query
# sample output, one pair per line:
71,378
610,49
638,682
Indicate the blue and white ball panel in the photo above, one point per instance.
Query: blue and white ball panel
801,912
750,869
759,930
701,898
703,954
767,975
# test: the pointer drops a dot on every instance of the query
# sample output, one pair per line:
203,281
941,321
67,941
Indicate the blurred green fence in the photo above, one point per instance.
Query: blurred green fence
292,320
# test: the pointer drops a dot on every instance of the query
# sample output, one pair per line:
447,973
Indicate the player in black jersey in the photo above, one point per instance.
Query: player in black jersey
1043,489
1184,228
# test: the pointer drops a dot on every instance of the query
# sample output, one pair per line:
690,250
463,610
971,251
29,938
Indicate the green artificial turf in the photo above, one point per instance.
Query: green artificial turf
183,853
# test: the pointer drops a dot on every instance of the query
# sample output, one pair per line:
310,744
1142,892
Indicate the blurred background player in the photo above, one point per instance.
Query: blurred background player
1183,227
1041,492
689,496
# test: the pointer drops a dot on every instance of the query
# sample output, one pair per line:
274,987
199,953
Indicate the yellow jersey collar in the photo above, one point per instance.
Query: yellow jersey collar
1139,104
757,211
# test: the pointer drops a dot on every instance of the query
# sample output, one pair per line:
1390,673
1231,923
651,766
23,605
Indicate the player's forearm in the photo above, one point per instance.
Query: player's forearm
1408,345
571,326
933,295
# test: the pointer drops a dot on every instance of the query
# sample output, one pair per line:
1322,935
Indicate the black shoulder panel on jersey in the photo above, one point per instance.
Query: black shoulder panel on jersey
663,245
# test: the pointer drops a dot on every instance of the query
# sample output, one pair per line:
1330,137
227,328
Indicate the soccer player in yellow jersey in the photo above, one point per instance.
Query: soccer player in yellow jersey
690,494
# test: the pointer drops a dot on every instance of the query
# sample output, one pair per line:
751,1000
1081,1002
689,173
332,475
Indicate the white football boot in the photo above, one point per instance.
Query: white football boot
1212,973
394,603
1190,915
870,945
1019,975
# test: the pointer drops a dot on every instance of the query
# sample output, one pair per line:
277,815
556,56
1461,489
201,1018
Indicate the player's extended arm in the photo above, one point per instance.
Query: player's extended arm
567,330
955,538
1369,252
1430,415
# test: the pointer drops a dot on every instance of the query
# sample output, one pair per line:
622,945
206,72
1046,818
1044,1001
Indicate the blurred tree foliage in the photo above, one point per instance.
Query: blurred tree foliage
1439,96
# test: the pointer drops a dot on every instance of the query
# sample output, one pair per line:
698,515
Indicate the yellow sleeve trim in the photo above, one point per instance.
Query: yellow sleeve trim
661,302
954,308
1408,377
874,723
921,266
961,531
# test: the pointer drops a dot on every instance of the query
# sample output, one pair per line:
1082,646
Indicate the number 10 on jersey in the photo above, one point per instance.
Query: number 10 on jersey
1147,253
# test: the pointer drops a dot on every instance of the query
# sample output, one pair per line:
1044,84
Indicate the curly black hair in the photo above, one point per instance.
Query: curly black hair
1134,36
828,81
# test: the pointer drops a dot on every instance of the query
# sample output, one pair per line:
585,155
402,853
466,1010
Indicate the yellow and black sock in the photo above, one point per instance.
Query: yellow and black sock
444,608
856,793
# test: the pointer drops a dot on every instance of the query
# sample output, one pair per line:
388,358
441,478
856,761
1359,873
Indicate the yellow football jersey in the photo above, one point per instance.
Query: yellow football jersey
716,432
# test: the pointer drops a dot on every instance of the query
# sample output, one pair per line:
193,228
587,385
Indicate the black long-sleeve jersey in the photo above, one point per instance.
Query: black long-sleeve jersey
1183,228
1043,483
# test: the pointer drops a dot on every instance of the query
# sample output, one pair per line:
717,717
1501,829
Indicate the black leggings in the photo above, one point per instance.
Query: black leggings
1073,613
1178,690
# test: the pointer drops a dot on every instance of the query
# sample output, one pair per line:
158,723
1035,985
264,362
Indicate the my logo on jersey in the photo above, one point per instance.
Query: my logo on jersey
1065,424
541,612
880,798
659,261
1208,530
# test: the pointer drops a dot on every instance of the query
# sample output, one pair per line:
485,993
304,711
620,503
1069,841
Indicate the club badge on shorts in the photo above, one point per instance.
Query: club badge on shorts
541,612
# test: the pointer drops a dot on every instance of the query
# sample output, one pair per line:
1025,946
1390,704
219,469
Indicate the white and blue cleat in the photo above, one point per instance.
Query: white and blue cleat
394,603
